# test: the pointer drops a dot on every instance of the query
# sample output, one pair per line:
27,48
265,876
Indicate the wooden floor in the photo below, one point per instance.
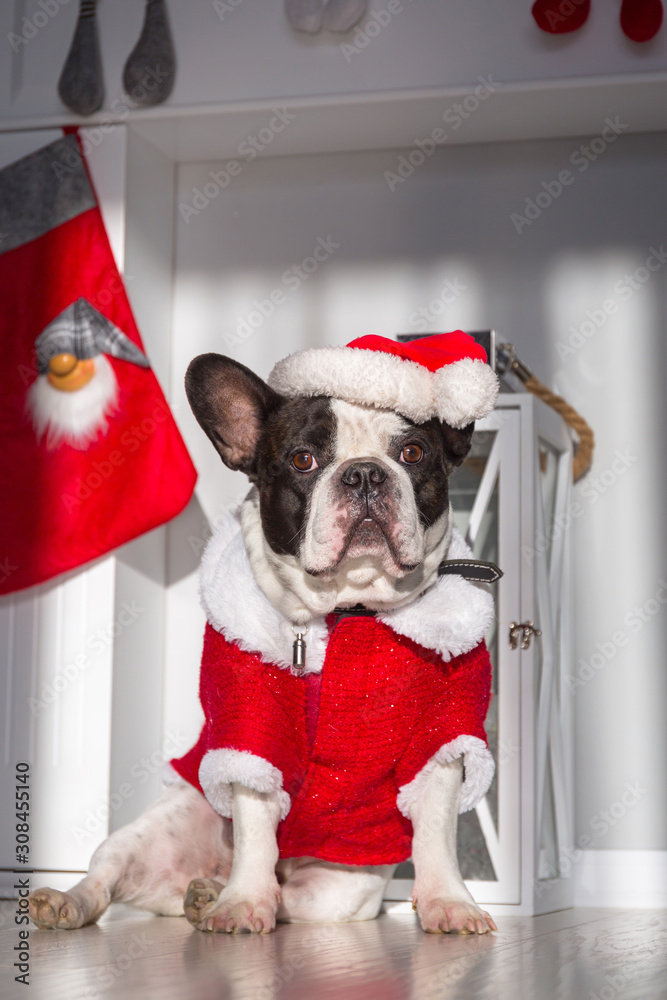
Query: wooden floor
574,955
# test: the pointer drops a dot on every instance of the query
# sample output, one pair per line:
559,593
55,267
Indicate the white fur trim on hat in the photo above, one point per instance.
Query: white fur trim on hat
458,393
219,768
478,767
464,391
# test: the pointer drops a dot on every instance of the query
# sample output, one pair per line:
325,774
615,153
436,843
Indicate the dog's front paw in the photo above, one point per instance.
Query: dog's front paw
51,909
442,916
210,907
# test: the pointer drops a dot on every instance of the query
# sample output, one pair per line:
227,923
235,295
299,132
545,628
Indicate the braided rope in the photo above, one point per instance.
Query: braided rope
583,456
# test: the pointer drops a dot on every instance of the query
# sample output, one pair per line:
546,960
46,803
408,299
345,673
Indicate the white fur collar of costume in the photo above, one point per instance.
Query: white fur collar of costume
451,617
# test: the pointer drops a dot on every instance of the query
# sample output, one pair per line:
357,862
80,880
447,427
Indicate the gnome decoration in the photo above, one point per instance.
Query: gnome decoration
92,456
76,388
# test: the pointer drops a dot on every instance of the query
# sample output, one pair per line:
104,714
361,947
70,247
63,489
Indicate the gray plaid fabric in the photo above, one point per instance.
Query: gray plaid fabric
84,332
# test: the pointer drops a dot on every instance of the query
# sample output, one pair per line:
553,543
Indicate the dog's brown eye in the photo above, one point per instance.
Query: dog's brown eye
411,454
304,462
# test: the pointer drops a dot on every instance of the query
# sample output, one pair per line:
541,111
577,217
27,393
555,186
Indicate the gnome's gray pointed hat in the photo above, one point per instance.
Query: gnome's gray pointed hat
84,332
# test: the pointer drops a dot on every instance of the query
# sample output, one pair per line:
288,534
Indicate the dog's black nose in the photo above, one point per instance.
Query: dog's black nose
363,474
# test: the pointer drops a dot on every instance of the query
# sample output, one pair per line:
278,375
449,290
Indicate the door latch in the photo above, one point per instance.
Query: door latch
524,629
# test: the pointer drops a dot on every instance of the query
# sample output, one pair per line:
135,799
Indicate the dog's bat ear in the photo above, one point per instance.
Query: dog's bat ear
457,441
231,404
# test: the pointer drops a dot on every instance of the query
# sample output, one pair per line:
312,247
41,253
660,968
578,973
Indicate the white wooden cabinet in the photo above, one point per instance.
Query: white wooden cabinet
136,700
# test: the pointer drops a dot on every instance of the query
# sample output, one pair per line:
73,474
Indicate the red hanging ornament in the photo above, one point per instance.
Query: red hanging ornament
641,19
560,16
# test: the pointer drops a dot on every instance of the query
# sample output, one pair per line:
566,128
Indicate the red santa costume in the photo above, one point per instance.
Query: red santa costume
347,743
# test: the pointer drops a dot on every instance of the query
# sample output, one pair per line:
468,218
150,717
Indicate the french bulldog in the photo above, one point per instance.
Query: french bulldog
337,544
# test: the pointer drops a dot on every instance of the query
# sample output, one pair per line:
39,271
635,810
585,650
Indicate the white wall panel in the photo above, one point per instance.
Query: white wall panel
56,665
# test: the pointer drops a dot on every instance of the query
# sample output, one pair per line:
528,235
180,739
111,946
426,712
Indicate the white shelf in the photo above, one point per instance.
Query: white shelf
522,110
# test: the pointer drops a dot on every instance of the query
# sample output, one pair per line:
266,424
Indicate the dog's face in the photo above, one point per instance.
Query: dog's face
352,501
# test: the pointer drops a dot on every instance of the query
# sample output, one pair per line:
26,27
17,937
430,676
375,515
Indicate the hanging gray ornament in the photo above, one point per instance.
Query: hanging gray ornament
80,86
148,76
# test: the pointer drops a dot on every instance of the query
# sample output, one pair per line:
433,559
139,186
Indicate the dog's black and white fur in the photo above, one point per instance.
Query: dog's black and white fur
348,505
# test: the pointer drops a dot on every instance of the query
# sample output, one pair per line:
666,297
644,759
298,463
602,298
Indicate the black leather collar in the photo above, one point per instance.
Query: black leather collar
471,569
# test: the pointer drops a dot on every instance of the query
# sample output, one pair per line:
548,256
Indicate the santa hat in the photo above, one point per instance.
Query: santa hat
444,376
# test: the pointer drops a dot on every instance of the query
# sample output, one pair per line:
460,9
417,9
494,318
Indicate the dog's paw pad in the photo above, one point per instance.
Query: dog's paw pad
441,916
200,894
209,908
247,916
50,908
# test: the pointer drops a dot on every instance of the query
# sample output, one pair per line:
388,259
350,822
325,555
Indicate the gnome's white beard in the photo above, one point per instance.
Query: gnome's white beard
75,418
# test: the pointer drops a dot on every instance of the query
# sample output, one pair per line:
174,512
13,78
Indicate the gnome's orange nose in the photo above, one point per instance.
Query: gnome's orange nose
68,373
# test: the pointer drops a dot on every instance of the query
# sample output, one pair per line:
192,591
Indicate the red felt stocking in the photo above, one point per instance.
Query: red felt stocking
641,19
91,455
560,16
